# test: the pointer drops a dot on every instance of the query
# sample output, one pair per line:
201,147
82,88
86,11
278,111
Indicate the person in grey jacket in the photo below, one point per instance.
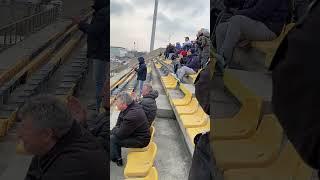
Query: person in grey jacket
148,102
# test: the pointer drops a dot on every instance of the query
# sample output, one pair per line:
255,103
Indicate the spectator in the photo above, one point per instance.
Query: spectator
62,149
178,46
191,67
203,41
97,46
148,102
141,73
295,96
131,130
187,44
260,20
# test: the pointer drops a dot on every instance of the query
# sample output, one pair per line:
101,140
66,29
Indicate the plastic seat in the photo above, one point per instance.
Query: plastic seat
3,127
185,100
194,76
152,131
242,125
192,132
200,118
288,166
270,47
258,151
152,175
140,163
191,108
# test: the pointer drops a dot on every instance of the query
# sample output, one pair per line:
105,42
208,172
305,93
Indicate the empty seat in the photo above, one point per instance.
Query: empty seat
152,175
200,118
190,108
152,131
242,125
258,151
185,100
192,132
140,163
288,166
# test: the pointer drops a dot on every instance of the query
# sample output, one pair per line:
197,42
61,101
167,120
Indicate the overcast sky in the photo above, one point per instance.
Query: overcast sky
131,21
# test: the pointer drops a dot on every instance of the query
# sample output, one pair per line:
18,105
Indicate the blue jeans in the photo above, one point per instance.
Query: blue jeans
140,86
99,74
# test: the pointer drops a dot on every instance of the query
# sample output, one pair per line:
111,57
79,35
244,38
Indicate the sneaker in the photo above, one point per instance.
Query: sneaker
119,162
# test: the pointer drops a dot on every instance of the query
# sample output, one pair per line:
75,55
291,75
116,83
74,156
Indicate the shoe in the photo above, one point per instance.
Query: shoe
119,162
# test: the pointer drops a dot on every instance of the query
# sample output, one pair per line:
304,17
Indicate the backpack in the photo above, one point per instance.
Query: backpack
202,85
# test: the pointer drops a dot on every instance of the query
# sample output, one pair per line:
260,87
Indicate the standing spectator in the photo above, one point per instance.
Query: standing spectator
62,149
203,42
148,102
141,73
97,47
131,130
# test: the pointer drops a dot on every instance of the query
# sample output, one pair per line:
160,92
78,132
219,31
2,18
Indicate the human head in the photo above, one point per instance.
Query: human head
191,51
123,101
44,120
141,60
186,39
147,88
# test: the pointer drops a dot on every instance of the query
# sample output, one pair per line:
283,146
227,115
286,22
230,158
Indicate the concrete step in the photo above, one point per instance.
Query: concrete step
243,84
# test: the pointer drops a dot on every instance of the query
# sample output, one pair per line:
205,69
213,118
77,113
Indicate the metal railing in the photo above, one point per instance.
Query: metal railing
19,30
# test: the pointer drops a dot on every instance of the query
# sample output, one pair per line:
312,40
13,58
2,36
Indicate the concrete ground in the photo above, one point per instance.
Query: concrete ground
173,159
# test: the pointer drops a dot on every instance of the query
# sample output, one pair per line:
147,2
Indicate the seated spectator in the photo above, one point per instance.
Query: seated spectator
62,149
258,20
178,46
187,44
191,66
148,102
131,130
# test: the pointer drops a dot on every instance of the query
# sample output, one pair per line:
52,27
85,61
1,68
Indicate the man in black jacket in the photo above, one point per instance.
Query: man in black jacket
97,46
141,73
132,129
62,149
295,97
258,20
148,102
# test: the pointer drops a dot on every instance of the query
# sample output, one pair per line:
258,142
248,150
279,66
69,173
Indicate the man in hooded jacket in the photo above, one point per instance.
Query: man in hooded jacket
97,46
141,73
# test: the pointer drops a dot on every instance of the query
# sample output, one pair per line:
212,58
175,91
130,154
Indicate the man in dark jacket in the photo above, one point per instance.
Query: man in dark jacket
62,149
192,65
97,46
141,73
258,20
131,130
148,102
295,97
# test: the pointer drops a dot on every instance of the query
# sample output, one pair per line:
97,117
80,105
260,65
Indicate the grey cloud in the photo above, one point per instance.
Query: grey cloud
120,8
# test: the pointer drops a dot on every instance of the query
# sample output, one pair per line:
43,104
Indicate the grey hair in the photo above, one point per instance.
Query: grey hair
149,87
47,111
125,98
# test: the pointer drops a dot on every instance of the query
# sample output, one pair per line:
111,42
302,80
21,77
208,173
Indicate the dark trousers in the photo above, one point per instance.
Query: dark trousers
116,144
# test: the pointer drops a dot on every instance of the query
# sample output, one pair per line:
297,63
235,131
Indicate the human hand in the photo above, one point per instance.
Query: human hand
78,112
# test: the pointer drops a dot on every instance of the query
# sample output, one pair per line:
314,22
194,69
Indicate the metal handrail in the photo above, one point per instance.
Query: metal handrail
19,30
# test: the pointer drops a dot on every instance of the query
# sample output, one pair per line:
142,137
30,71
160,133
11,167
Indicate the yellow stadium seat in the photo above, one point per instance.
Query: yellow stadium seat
191,108
270,47
185,100
200,118
140,163
171,86
152,131
288,166
3,127
194,76
192,132
258,151
152,175
242,125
